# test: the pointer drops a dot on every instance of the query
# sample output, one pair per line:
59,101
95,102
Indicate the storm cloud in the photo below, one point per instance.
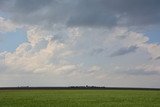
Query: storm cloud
95,13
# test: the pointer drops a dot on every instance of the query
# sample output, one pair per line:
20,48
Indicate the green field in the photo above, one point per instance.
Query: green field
79,98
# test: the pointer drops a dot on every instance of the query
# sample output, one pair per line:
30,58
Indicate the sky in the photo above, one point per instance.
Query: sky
112,43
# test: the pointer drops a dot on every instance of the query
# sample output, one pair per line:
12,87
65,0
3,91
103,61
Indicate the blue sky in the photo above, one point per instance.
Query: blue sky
11,40
80,42
154,35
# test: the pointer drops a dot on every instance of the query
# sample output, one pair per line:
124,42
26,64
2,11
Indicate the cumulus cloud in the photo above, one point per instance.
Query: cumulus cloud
76,54
46,54
47,51
35,55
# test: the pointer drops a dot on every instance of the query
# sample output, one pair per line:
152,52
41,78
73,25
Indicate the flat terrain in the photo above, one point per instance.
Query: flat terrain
79,98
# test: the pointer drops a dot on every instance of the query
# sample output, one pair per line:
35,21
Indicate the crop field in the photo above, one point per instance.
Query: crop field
79,98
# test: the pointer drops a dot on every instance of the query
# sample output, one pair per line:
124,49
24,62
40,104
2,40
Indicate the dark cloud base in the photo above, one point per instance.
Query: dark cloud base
90,13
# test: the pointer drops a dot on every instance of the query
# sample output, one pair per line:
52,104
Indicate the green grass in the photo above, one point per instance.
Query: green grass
79,98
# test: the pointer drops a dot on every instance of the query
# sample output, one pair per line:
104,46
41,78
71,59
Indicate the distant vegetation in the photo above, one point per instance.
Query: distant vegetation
78,87
79,98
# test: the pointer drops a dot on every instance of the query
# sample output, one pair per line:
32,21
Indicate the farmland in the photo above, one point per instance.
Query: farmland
79,98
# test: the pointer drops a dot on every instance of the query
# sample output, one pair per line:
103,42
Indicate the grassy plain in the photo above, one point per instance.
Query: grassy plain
79,98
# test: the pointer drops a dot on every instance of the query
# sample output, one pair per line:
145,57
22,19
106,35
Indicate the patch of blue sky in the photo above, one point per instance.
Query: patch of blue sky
11,40
4,14
154,35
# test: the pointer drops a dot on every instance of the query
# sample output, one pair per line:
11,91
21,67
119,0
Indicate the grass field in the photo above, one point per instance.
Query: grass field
79,98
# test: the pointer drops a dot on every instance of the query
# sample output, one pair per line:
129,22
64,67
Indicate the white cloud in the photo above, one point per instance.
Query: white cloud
35,55
68,53
153,49
7,25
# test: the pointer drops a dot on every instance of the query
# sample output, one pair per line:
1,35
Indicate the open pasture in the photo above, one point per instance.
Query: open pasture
79,98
